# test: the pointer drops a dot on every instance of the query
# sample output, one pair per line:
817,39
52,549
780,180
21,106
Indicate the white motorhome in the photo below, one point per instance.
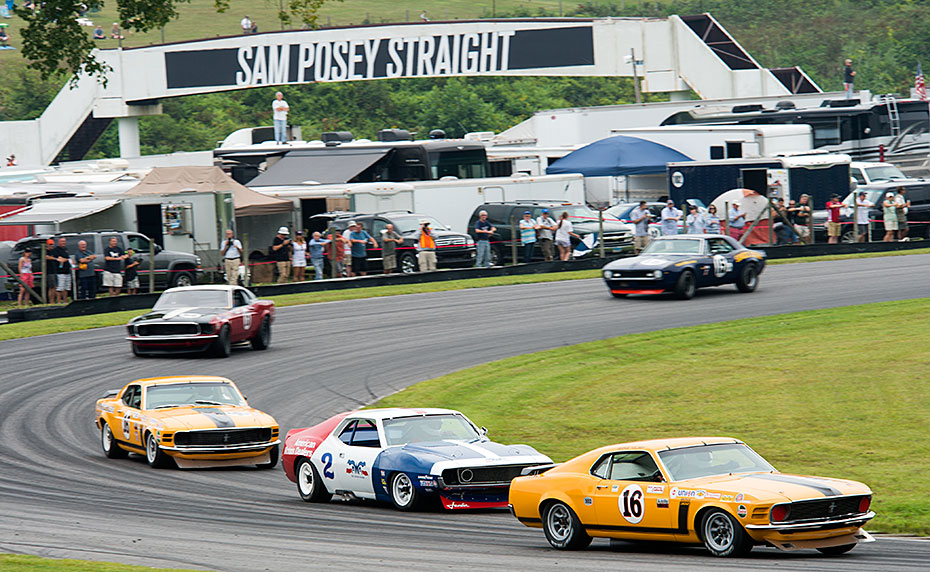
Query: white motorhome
709,142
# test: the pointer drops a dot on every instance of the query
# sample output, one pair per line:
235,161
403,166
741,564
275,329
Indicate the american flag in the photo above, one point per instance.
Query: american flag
920,86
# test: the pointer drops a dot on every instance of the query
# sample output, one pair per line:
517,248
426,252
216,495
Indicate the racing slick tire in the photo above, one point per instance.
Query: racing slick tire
685,286
748,278
563,528
154,454
108,444
262,338
310,486
723,535
836,550
273,459
403,494
222,346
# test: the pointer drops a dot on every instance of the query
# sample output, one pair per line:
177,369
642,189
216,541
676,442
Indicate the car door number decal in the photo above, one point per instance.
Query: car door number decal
127,427
721,265
327,459
631,504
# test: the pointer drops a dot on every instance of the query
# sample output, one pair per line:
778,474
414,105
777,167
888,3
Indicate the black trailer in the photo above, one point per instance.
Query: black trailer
816,175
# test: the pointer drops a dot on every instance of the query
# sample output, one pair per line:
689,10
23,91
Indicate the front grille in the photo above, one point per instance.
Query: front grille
633,273
617,237
224,436
169,329
451,241
824,509
482,475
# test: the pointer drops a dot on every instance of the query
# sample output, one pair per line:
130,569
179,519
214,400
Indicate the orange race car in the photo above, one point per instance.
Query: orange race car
189,421
711,490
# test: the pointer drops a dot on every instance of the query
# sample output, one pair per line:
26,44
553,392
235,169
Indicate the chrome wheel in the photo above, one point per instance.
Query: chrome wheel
718,532
559,523
402,492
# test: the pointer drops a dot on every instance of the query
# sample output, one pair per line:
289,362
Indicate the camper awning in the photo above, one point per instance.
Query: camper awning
54,211
618,155
325,166
174,180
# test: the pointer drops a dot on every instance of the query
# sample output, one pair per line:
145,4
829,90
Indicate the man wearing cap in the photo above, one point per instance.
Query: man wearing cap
800,217
862,216
232,257
528,228
483,232
834,229
736,220
360,240
426,247
670,217
546,226
63,277
640,219
889,217
281,253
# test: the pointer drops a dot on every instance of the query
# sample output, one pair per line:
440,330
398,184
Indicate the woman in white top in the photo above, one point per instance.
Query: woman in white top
563,234
299,256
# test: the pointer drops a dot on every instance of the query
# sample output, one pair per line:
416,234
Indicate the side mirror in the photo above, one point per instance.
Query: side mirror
110,393
157,249
484,431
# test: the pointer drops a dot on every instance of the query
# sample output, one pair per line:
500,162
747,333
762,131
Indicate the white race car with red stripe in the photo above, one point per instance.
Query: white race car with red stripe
404,456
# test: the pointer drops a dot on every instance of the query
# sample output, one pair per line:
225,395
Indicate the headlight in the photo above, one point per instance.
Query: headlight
657,274
470,242
608,274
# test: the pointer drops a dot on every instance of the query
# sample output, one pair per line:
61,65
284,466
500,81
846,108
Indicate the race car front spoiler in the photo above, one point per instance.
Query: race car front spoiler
857,520
219,449
791,545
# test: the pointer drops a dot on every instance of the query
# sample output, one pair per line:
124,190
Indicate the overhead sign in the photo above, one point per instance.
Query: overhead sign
440,55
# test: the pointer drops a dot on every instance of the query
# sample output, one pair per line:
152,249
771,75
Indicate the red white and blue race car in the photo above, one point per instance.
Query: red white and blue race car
404,456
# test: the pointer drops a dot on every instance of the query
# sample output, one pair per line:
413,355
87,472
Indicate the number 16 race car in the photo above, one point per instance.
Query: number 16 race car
404,456
683,263
711,490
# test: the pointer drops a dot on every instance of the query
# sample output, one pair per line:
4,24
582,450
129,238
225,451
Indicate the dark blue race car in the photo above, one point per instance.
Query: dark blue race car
683,263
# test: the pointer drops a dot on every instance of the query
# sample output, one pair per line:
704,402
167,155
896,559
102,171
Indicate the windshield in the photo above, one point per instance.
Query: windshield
621,211
709,460
405,224
429,428
193,298
181,394
673,246
884,173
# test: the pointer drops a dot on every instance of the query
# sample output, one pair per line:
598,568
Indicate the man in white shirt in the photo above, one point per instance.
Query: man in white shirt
862,216
280,109
640,219
246,25
670,218
232,257
546,226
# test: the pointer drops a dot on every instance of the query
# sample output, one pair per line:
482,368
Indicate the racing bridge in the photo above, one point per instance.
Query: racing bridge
676,54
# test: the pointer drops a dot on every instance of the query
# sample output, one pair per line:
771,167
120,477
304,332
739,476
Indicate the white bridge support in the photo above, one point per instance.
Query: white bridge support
678,55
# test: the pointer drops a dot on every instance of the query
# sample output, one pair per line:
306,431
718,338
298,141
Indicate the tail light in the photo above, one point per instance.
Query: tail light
780,512
865,503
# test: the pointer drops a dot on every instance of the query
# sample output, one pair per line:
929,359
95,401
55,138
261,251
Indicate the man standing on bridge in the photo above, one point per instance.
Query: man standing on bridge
280,109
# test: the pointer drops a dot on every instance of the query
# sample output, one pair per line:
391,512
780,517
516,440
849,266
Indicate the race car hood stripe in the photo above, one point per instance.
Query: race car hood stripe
822,487
217,416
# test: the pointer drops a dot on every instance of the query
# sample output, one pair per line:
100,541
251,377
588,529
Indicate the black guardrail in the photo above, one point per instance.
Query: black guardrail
146,301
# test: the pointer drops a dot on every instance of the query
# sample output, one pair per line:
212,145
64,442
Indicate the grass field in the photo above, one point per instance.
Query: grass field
23,563
836,392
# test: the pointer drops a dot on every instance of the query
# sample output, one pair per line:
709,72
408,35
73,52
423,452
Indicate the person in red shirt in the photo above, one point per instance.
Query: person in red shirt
833,219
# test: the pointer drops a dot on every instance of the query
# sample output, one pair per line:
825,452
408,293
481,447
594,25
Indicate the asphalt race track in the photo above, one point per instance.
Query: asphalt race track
60,497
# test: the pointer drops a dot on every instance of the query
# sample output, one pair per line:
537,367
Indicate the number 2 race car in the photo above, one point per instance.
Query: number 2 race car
191,421
683,263
202,318
404,456
711,490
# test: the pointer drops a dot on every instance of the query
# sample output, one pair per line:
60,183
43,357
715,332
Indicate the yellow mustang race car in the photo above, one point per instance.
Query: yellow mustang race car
191,421
711,490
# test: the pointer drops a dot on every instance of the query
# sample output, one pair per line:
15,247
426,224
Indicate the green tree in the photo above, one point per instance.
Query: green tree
54,42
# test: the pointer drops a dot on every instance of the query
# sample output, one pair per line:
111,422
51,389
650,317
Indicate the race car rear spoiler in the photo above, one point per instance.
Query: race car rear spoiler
537,469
